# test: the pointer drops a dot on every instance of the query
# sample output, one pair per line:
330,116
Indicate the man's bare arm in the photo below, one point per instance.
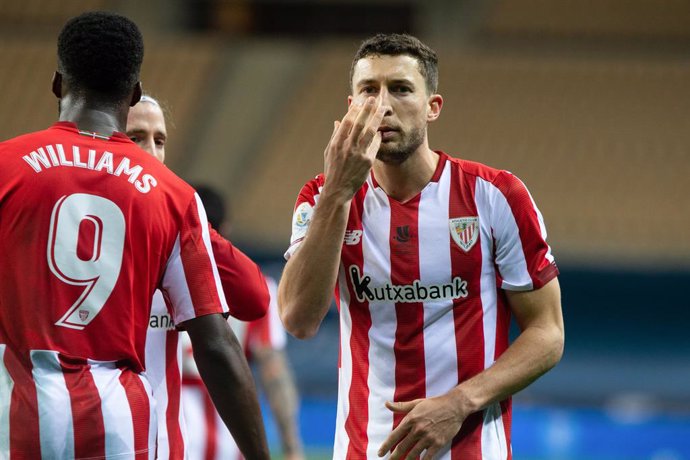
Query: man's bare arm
306,286
279,386
431,423
223,367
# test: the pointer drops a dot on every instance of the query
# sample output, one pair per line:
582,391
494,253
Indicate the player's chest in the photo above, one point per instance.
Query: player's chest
426,239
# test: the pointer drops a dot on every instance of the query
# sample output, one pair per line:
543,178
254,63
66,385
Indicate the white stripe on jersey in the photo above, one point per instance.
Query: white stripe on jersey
117,416
381,380
434,263
510,254
277,334
6,386
345,371
175,283
494,444
488,293
205,234
156,360
54,405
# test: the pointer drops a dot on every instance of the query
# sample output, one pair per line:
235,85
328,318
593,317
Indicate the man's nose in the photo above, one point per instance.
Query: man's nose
384,97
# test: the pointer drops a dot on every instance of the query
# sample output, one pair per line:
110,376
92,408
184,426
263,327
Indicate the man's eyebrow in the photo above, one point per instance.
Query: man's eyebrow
369,81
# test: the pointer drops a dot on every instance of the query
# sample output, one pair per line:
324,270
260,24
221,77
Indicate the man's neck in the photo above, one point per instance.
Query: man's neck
404,181
99,118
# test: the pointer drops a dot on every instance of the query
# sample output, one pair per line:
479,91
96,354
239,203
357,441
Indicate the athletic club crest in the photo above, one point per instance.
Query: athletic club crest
464,231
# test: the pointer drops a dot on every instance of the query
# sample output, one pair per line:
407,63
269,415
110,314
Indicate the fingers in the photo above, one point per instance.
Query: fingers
402,406
360,125
396,435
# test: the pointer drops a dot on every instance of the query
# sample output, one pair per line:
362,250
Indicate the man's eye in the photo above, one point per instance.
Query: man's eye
403,89
160,142
369,90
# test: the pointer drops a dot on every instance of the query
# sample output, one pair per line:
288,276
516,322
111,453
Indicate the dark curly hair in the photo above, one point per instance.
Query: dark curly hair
101,52
401,44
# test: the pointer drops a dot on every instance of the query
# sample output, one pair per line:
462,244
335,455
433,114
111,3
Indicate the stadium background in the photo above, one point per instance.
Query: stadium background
588,101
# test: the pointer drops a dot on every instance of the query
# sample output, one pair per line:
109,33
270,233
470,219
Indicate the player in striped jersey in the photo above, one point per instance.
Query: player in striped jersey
428,256
243,284
90,226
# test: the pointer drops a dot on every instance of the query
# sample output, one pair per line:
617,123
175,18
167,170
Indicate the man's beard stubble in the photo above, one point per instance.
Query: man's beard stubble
408,144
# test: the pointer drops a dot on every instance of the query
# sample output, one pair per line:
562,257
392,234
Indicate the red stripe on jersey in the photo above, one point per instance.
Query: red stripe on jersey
467,312
196,261
533,245
211,447
141,411
358,397
87,415
173,383
410,375
25,439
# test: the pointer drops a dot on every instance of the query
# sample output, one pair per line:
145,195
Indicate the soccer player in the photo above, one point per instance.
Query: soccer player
261,335
428,255
243,283
90,227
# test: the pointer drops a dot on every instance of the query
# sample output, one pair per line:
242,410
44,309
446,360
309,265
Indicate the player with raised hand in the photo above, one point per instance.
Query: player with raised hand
90,227
428,256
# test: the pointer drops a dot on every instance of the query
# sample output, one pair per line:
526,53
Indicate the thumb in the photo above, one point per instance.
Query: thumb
402,406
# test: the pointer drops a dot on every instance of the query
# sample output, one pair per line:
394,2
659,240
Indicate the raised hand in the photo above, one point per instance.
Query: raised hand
352,149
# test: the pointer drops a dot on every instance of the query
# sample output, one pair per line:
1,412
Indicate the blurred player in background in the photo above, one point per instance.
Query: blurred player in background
243,283
263,340
428,255
91,226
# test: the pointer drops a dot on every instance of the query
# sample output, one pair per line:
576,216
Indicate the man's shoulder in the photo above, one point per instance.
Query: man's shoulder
477,169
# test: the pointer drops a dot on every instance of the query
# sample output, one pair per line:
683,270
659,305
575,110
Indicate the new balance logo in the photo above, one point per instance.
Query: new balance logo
402,234
352,237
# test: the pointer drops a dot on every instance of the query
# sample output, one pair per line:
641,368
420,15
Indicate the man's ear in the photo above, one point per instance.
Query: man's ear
57,84
435,106
136,94
349,101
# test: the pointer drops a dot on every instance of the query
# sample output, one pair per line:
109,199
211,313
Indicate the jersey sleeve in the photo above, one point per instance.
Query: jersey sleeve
243,283
304,209
522,255
191,281
267,332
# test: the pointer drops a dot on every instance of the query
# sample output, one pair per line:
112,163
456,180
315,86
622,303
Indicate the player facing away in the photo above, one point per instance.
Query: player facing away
429,256
90,227
243,284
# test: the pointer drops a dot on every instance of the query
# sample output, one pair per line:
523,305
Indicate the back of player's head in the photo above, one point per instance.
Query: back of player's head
100,53
214,203
397,45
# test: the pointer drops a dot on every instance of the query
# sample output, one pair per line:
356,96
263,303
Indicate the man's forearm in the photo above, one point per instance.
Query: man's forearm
279,386
531,355
306,286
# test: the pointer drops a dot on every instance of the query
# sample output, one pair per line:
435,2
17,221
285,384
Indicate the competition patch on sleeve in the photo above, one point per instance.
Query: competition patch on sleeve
301,220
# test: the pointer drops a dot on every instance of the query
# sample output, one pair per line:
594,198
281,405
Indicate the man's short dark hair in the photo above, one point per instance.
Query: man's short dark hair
401,44
101,53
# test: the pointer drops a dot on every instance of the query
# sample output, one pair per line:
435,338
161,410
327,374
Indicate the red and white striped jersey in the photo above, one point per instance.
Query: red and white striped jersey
90,227
421,300
248,298
210,439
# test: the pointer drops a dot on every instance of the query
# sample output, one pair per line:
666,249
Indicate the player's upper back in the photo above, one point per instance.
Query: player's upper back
87,225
